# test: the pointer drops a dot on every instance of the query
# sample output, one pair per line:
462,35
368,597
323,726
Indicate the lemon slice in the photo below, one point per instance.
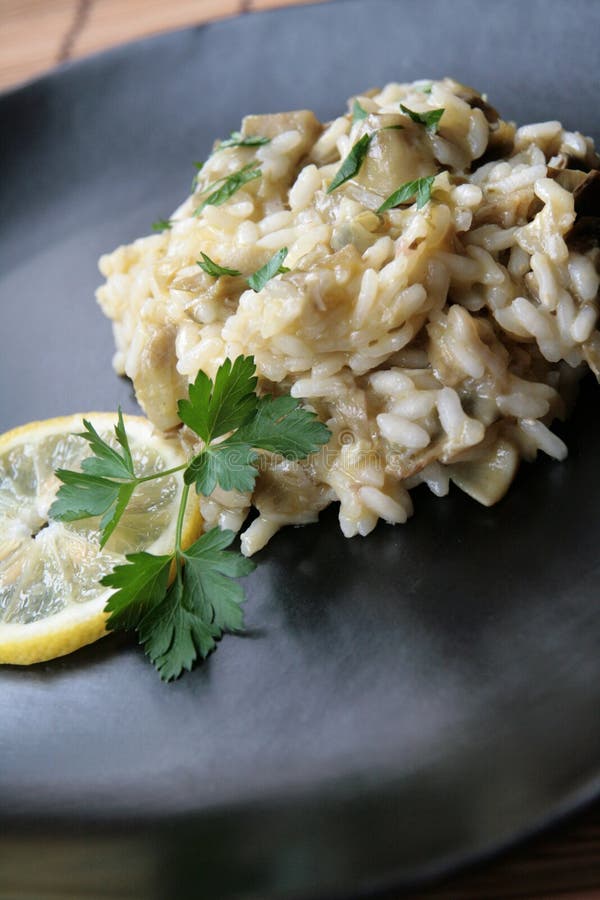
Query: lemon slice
51,601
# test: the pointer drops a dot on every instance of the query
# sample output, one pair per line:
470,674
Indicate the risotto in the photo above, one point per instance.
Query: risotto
439,297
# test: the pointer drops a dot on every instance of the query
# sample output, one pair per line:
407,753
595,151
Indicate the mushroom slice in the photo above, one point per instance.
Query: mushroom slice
399,152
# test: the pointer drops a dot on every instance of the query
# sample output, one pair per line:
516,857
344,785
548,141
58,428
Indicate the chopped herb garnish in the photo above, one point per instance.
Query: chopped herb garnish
427,88
162,225
229,186
236,139
358,112
421,188
258,279
271,268
351,165
198,166
429,119
180,622
212,268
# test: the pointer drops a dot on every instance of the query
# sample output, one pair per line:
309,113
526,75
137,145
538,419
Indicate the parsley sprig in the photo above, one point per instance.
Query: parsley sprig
429,119
352,163
162,225
358,112
230,183
258,279
209,266
228,186
419,188
198,167
272,267
180,620
236,139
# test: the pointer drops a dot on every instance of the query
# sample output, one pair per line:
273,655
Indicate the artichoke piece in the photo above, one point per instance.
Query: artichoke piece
399,152
271,124
158,384
487,476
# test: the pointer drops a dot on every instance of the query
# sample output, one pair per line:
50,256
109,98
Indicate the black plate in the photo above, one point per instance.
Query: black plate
401,703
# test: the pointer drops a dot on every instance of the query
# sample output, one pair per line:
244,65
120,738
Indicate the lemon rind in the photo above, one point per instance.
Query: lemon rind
55,636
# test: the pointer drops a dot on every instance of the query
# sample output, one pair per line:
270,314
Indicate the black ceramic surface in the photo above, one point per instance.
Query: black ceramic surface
400,704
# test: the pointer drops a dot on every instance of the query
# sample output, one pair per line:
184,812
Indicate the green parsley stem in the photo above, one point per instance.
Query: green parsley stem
161,474
213,184
180,516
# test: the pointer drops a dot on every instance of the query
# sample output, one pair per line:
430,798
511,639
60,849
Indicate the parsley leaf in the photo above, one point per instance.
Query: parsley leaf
103,487
230,185
107,461
213,409
258,279
230,467
271,268
162,225
81,496
141,584
358,112
173,635
209,570
421,187
352,163
212,268
429,119
282,426
236,139
279,425
180,623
